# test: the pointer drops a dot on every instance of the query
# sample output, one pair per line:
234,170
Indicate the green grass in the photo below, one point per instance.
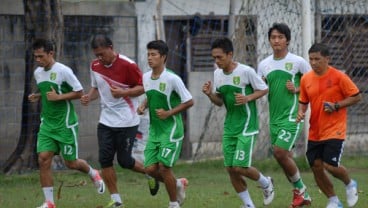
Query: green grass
209,187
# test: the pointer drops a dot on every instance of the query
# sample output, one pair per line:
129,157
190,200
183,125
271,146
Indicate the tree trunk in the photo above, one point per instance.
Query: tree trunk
43,19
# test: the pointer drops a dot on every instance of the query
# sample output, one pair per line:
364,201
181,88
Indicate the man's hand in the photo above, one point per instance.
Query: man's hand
141,108
240,99
291,87
84,100
34,97
117,92
300,116
162,114
52,95
207,88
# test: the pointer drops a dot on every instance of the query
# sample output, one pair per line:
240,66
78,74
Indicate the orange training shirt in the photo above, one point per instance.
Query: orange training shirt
333,86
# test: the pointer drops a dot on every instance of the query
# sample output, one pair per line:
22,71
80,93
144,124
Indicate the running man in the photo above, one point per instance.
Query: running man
237,86
329,92
117,80
282,71
58,132
167,98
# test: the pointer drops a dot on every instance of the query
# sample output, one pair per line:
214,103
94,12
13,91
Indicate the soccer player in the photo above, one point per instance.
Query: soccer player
329,92
166,98
117,80
58,131
237,86
282,71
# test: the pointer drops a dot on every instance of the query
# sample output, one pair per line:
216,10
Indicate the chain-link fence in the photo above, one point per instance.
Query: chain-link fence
343,27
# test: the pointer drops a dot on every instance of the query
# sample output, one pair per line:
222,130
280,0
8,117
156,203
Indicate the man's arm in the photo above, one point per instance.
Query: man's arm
301,111
214,97
53,96
129,92
162,114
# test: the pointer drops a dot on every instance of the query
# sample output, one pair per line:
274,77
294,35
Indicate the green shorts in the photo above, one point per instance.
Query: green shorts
59,141
166,152
238,150
284,135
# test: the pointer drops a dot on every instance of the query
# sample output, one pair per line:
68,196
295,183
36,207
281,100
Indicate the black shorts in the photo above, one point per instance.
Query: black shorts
329,151
116,140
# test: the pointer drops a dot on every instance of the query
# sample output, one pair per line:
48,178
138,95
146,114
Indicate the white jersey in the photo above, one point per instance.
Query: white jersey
123,73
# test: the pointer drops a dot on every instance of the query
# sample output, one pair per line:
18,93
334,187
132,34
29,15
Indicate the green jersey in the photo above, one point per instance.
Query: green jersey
283,104
240,119
166,92
57,115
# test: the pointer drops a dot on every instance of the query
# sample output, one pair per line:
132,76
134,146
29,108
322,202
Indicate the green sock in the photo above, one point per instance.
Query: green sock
299,184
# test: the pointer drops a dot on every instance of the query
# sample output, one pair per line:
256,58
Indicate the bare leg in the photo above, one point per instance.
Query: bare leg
138,167
169,180
45,160
236,179
338,172
286,161
321,178
78,164
110,179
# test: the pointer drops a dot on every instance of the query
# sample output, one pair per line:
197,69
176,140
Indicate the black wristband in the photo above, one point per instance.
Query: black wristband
337,106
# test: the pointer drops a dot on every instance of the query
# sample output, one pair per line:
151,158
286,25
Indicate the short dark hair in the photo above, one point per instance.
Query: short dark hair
100,40
281,28
224,43
47,45
319,47
159,45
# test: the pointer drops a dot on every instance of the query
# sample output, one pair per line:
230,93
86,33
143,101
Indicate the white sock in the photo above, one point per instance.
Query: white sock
334,199
350,185
295,177
263,181
91,172
116,198
178,183
48,192
173,203
245,197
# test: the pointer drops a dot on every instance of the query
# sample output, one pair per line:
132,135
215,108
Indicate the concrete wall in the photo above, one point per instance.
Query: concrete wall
116,18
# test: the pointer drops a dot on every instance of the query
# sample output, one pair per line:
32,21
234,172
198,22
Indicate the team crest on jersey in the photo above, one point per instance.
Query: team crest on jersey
53,76
162,86
236,80
288,66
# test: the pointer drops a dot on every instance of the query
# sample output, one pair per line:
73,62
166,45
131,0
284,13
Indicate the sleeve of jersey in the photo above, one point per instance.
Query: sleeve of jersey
305,66
93,78
256,81
348,87
72,80
215,81
180,88
135,75
259,70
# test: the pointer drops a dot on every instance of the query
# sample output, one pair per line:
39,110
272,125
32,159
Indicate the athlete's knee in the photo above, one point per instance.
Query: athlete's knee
45,159
240,170
231,170
280,154
127,163
151,170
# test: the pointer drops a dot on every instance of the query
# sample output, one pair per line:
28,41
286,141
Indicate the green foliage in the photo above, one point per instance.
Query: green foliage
209,187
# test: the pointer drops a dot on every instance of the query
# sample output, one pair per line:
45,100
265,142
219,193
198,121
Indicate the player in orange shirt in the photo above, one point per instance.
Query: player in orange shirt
328,91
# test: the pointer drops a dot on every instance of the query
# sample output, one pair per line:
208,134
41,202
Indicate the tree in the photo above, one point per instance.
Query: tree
43,18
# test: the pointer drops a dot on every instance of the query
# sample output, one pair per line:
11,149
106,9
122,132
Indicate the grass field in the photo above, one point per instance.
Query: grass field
209,187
